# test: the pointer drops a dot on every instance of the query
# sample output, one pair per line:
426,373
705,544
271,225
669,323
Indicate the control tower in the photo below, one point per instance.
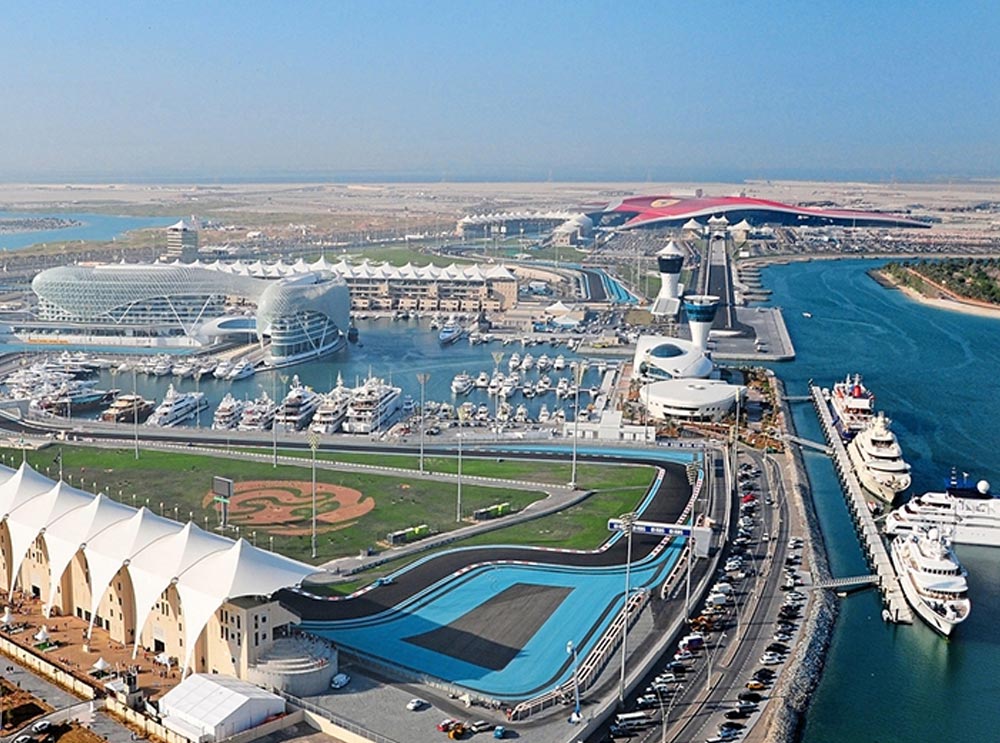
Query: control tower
667,302
700,309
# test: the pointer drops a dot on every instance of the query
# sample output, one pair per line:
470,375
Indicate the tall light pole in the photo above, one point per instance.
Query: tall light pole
458,507
576,716
197,389
313,445
628,521
422,378
578,379
135,415
497,358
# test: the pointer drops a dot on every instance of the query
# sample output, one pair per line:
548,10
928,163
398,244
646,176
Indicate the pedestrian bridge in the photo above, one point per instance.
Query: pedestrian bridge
854,581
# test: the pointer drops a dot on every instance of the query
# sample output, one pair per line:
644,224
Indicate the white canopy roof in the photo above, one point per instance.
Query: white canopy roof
207,569
217,706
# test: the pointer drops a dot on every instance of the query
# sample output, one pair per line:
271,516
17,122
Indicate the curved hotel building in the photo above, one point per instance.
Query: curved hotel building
189,305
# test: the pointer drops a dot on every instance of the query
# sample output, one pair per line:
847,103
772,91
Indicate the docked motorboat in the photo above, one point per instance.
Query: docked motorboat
461,384
128,408
968,512
242,370
258,414
374,405
878,460
298,407
332,411
177,407
852,406
933,580
450,332
227,415
222,370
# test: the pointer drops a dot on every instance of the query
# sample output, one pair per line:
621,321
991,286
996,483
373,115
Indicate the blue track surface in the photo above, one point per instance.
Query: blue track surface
595,596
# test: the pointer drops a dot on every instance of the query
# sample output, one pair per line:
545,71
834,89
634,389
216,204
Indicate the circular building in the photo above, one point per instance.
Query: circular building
690,399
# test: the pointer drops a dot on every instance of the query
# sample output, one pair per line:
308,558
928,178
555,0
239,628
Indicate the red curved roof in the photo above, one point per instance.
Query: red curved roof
647,210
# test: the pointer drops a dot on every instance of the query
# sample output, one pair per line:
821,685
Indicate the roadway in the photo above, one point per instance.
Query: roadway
698,706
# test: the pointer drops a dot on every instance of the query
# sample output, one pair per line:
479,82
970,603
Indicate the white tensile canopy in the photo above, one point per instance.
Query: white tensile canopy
207,569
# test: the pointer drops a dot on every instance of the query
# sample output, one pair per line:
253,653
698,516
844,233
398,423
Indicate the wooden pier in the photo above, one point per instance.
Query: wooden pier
878,557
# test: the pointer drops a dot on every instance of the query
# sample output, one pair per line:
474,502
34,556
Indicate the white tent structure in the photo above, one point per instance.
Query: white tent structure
206,569
205,708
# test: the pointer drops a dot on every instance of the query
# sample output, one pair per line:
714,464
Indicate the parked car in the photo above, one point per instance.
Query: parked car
446,724
414,704
340,681
41,726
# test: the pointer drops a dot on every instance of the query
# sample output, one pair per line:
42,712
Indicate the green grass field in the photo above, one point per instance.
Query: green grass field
175,484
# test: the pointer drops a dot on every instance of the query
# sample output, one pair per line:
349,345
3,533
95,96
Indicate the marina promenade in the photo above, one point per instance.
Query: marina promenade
888,583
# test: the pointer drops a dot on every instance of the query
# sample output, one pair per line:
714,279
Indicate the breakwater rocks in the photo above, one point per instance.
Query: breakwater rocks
795,690
11,225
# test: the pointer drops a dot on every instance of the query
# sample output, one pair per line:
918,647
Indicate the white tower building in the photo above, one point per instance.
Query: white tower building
700,309
669,260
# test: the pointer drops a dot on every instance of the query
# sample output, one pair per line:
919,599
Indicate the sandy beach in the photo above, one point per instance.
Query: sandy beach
948,302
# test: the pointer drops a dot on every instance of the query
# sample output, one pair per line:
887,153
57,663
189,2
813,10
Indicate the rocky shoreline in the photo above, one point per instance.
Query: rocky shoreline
795,691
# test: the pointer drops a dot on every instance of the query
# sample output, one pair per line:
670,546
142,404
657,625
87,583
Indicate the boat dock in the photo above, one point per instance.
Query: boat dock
897,610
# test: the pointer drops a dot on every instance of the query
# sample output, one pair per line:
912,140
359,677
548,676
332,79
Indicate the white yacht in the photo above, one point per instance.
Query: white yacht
332,412
373,406
184,369
462,384
177,407
483,380
878,460
543,415
932,579
241,370
969,514
162,367
298,407
514,362
544,363
852,404
258,414
223,369
559,364
227,415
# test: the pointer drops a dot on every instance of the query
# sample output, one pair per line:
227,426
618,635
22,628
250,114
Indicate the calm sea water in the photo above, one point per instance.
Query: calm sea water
934,373
94,227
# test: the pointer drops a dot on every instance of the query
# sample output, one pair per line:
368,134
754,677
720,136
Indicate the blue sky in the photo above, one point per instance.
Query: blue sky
609,90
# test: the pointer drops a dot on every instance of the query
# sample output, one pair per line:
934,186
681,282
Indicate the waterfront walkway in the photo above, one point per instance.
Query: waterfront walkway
888,583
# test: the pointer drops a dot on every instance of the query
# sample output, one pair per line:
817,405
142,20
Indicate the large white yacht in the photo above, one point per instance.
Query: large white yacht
932,579
177,407
970,514
373,406
878,460
227,415
332,412
298,407
258,414
853,406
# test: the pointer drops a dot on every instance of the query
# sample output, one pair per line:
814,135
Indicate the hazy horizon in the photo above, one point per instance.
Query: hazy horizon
490,91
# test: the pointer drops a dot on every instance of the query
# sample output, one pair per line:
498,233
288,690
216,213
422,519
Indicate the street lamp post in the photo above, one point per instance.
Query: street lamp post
422,378
313,445
628,522
458,508
576,716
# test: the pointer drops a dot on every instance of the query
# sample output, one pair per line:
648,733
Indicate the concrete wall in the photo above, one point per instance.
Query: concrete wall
42,666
